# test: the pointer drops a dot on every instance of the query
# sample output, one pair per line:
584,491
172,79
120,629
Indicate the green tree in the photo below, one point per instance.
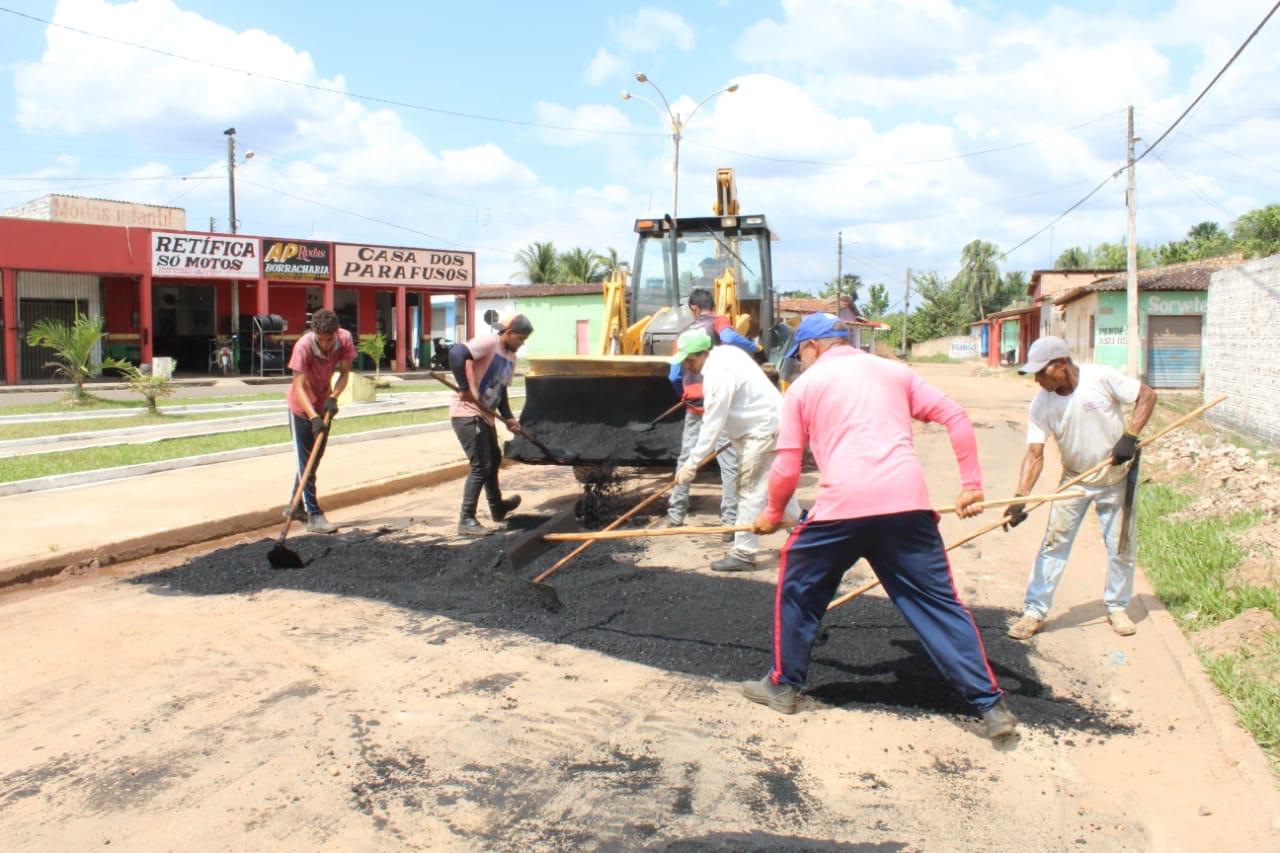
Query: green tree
850,283
1013,288
538,263
877,300
945,308
612,261
1257,233
1074,258
579,265
979,276
373,346
149,385
72,350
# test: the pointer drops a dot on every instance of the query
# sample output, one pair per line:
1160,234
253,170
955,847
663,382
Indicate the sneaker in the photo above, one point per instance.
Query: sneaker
667,522
471,527
780,697
299,514
733,563
317,523
504,509
999,721
1026,627
1121,623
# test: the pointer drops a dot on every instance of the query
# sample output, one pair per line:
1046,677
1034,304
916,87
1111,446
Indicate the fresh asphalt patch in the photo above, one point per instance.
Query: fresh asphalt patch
716,627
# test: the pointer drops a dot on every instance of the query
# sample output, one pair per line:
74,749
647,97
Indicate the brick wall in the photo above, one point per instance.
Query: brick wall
1242,348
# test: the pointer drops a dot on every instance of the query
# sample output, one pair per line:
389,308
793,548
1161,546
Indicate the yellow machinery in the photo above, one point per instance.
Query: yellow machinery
595,410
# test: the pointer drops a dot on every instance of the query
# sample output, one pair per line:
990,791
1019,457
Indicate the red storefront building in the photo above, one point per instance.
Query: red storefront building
184,294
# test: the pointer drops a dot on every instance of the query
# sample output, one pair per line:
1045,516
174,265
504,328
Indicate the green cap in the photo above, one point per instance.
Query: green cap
690,343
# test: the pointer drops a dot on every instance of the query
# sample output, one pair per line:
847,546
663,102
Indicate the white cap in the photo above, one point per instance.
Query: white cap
1043,351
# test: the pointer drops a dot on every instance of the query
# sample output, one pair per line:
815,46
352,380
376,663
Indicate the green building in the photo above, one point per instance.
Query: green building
568,319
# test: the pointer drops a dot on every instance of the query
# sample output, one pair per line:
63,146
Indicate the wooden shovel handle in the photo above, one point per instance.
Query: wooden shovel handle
622,519
1074,481
1017,499
497,417
316,447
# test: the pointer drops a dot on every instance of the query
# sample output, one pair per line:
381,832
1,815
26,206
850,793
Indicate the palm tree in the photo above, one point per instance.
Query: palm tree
580,265
537,263
613,262
979,274
1074,258
72,350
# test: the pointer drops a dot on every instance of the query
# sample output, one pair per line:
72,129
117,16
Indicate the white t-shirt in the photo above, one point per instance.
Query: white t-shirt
740,400
1086,423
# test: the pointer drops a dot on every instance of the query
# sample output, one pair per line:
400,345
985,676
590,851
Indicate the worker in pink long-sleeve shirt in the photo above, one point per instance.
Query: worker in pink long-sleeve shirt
855,411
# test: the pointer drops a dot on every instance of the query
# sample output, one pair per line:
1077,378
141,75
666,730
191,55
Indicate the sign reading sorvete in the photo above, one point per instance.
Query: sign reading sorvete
390,265
204,256
294,260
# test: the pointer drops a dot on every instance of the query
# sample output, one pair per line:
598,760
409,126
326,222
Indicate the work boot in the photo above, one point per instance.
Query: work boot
468,526
733,563
317,523
667,522
999,721
1121,623
1026,627
502,510
780,697
299,514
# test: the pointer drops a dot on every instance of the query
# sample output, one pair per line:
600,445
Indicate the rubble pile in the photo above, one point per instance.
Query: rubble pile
1227,479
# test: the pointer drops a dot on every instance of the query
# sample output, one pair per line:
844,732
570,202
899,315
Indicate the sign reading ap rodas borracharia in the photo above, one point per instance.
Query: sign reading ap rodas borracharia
204,256
396,265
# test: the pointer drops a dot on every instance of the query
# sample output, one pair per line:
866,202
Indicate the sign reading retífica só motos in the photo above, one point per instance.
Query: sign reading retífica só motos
392,265
204,256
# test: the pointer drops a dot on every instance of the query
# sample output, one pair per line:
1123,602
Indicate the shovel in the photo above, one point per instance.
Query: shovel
282,557
534,543
659,419
602,535
492,414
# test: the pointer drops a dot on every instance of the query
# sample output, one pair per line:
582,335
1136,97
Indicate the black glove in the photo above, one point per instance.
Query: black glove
1014,514
760,355
318,426
1126,448
331,407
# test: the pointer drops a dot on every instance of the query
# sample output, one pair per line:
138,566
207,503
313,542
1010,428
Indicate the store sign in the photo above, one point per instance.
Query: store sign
204,256
387,265
967,348
295,261
97,211
1111,336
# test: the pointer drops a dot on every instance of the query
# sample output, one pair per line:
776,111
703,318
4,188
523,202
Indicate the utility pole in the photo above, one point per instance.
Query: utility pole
1131,289
213,224
231,173
906,309
839,268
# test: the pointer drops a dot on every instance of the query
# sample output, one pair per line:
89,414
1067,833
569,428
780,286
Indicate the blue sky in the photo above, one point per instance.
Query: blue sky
860,91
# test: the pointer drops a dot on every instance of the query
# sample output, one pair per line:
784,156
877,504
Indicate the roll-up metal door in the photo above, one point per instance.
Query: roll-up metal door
1173,351
57,296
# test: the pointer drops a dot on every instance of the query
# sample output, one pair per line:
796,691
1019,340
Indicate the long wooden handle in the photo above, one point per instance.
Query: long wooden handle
1016,499
602,535
667,413
1074,481
497,417
622,519
316,446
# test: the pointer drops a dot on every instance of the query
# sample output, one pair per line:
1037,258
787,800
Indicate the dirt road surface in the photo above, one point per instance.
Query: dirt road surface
397,694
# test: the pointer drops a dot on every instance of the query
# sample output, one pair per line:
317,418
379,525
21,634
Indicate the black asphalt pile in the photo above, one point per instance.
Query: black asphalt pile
685,621
587,443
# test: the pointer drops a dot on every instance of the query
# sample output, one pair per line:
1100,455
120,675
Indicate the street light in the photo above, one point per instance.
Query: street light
231,172
677,125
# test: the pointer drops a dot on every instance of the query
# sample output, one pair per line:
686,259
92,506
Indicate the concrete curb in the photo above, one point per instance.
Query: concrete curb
193,534
1242,750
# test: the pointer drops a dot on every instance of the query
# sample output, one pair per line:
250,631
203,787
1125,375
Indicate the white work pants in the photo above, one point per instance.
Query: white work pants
755,457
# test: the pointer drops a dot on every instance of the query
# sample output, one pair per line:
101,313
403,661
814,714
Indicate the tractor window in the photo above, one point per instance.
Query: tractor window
651,279
701,258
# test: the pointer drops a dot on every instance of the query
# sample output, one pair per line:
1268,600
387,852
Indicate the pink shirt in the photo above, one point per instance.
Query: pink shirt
318,367
855,411
493,367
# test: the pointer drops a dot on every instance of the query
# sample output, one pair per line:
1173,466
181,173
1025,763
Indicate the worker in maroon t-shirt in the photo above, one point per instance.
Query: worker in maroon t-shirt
316,356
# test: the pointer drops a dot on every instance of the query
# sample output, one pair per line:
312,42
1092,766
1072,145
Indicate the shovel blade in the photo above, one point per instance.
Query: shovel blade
281,557
529,546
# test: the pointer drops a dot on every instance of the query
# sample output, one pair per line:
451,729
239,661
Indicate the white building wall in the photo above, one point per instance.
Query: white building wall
1242,348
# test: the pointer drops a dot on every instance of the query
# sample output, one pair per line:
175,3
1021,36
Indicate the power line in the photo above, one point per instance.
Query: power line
326,89
1192,186
922,162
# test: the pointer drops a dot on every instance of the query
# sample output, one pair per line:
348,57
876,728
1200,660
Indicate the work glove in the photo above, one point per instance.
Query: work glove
331,407
1126,448
760,355
685,476
318,426
1014,514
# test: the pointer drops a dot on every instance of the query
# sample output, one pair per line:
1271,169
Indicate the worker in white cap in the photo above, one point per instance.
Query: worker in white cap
1081,406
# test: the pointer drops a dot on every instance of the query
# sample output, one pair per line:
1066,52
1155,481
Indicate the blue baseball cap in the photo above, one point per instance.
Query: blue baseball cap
817,326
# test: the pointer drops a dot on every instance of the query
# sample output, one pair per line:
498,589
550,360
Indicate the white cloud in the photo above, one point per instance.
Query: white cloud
604,67
651,30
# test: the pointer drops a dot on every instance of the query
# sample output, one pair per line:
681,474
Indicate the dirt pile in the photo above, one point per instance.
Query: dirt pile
1229,479
621,599
1249,630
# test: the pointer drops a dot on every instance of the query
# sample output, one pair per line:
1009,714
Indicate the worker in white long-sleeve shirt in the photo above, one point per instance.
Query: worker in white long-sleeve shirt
740,402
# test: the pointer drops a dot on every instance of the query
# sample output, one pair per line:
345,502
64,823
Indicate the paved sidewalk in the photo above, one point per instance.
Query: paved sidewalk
123,519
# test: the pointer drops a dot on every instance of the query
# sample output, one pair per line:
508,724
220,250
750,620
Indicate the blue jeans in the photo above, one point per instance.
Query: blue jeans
907,555
678,503
303,440
1064,520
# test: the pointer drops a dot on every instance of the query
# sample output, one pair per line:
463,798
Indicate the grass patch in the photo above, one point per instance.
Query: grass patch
74,461
64,427
1187,560
1250,679
936,358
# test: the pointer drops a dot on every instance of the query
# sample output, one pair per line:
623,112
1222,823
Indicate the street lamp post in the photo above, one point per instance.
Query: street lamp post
231,173
677,125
